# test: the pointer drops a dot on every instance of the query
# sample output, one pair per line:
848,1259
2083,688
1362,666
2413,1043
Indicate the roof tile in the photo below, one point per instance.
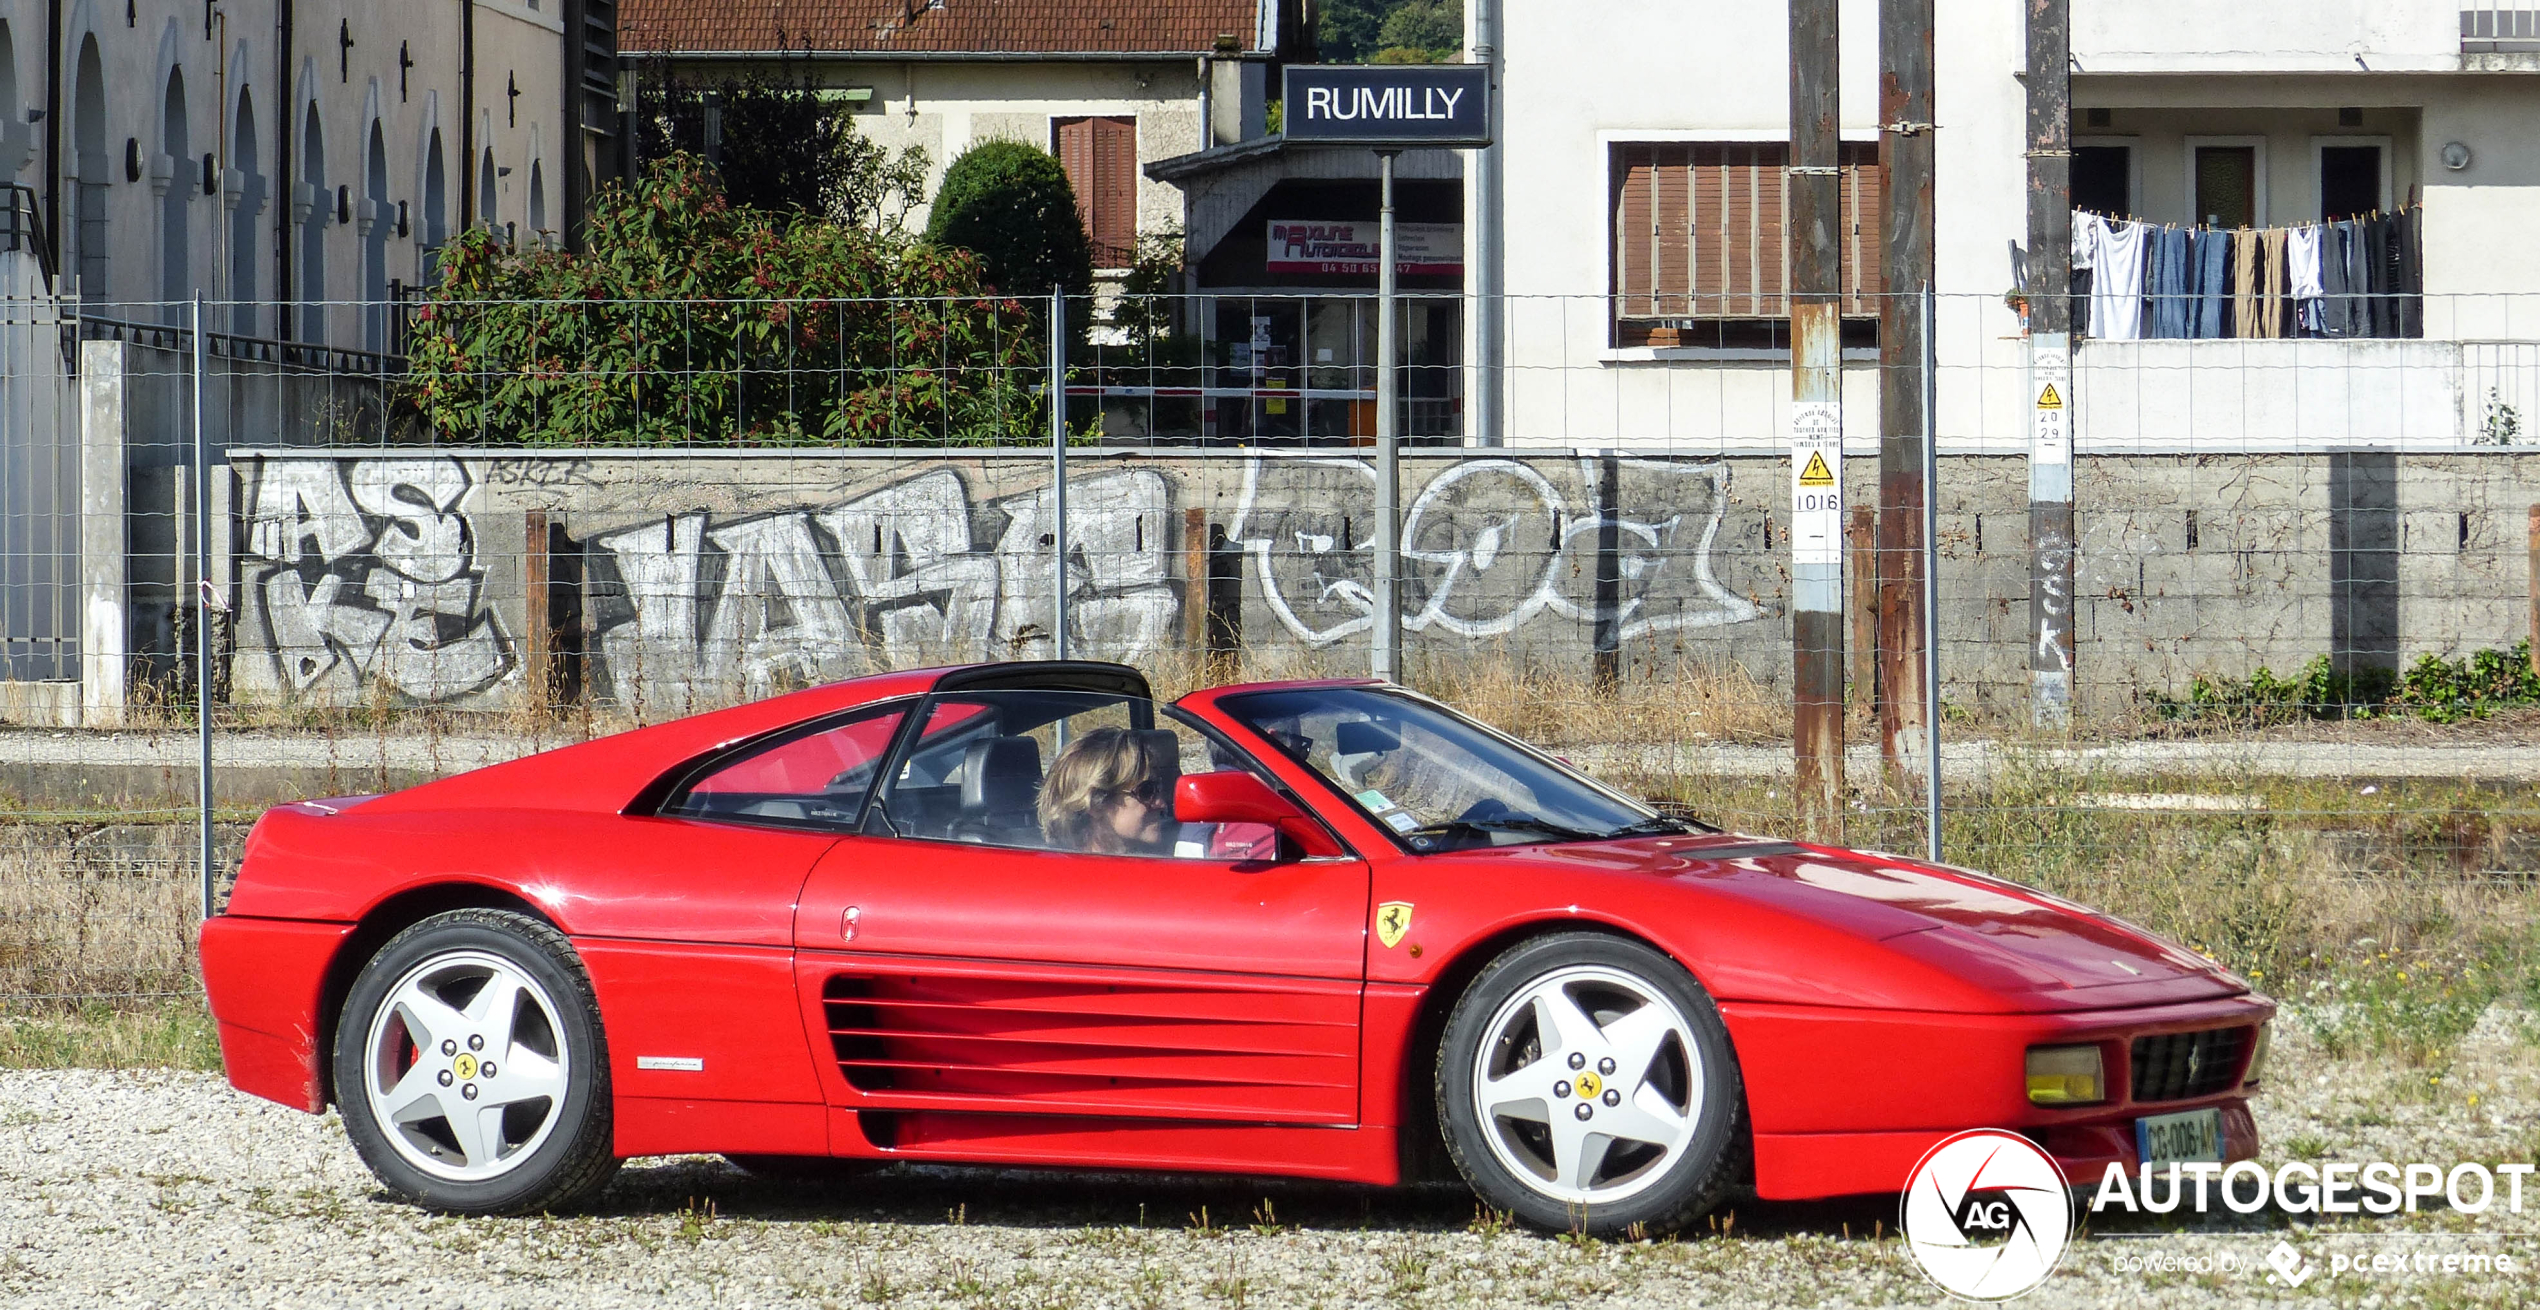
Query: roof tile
939,26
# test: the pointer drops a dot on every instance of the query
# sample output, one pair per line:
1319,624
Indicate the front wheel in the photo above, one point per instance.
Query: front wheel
1586,1083
472,1070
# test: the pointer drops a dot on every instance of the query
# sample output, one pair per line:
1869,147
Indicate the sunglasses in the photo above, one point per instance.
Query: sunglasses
1154,791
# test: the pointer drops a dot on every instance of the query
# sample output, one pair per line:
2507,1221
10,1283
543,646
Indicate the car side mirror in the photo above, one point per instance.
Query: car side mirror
1234,796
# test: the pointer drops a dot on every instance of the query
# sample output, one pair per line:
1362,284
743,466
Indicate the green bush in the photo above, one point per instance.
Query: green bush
1009,203
2446,691
687,319
2434,689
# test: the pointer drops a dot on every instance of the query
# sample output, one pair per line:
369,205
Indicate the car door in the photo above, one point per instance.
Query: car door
693,953
954,961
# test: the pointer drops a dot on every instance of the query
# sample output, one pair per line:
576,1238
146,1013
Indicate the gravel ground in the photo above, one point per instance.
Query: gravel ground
170,1189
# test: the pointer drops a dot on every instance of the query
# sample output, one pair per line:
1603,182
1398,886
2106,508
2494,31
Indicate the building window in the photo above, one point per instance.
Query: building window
2352,182
1101,159
1701,257
2103,179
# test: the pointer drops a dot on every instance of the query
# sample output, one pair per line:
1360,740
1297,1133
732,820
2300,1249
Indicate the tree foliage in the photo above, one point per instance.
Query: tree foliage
1390,31
689,320
782,144
1009,202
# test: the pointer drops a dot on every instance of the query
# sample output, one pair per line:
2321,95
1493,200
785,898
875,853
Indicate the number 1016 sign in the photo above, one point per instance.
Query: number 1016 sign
1816,482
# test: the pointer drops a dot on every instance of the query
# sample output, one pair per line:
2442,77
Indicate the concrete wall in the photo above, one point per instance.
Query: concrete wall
671,580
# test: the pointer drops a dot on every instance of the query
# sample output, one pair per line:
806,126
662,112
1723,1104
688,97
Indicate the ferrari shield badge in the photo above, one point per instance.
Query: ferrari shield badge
1393,919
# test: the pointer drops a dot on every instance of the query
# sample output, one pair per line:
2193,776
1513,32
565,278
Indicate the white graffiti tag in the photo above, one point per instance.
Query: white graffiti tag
894,578
1489,546
367,572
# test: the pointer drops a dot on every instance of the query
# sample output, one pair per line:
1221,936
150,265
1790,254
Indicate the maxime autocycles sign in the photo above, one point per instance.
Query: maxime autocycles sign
1387,104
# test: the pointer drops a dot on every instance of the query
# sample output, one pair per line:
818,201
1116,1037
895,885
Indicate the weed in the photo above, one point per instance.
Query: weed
1265,1220
2386,1003
2306,1146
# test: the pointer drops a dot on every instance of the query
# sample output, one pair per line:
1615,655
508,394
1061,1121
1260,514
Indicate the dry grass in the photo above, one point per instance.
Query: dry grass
73,924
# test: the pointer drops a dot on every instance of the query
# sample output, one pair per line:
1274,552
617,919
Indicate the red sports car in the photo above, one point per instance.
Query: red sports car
1023,914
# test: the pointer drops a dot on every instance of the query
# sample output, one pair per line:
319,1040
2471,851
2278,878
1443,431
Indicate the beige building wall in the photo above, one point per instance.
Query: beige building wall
170,90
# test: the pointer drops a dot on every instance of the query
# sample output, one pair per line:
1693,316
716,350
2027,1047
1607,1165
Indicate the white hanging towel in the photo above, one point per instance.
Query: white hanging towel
2302,275
2116,282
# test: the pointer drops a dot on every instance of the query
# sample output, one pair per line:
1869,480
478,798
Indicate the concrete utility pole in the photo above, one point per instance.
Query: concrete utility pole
1816,415
2050,354
1905,147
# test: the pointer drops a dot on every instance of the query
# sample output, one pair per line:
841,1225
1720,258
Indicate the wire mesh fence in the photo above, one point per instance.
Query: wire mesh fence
2301,571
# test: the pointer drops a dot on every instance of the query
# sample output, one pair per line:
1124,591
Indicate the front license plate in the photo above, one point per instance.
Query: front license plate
2179,1138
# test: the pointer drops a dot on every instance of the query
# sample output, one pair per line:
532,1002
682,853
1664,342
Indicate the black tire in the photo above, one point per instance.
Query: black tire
1636,1189
563,1155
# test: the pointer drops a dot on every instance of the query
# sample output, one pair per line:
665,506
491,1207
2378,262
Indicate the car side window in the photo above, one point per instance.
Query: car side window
1062,771
815,777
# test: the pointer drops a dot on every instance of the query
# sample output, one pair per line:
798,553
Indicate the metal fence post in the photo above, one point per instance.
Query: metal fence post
1385,646
1058,472
1931,581
202,615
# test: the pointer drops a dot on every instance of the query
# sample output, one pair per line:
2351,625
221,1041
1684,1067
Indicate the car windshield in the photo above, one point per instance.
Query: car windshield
1437,780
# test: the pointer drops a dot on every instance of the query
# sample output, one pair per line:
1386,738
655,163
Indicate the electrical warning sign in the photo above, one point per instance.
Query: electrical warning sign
1816,482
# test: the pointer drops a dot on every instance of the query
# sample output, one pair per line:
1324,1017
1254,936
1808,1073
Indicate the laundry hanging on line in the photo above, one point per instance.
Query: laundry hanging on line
2356,277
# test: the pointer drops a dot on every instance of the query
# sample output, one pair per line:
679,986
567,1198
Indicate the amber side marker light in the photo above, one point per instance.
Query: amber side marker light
2065,1075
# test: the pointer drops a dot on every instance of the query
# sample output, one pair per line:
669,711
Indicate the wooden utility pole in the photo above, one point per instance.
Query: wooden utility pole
1905,149
1816,423
2050,277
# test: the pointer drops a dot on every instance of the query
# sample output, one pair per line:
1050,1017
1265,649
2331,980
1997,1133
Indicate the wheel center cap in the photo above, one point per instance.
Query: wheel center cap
1588,1086
464,1066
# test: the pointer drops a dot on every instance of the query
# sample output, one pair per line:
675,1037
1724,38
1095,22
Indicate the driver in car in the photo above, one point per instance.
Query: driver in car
1108,794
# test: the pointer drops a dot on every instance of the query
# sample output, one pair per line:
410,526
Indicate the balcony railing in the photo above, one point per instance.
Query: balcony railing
2496,30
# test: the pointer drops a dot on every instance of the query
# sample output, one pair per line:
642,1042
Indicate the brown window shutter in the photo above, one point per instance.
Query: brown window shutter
1113,224
1633,288
1700,231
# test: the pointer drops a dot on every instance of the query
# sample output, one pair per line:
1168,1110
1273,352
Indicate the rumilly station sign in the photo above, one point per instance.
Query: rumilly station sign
1387,104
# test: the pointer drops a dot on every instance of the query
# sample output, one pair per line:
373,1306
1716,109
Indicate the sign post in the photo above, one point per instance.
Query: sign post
1387,108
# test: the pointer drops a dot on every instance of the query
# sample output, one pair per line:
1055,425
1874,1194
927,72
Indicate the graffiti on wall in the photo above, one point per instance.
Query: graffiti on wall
910,574
365,571
1490,545
368,572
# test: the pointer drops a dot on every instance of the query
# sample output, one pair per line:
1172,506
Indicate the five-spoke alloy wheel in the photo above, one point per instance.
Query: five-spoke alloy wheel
471,1068
1586,1082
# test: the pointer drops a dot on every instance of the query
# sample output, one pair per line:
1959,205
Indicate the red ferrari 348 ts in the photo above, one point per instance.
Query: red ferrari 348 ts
1023,914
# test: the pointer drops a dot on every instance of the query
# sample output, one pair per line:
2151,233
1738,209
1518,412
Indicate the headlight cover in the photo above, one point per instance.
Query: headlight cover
2258,1055
2066,1075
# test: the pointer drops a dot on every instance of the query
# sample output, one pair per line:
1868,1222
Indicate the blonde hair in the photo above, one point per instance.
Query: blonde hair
1104,760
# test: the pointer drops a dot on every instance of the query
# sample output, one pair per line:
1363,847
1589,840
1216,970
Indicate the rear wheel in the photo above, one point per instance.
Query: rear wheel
1586,1083
472,1070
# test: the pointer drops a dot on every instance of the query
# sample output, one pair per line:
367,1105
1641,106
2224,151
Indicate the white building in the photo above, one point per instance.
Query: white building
292,162
2270,112
284,154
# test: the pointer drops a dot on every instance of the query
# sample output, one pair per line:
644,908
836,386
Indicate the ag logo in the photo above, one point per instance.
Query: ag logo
1393,919
1987,1215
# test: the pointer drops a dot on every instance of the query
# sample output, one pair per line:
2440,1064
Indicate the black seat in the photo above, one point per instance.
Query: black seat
1000,780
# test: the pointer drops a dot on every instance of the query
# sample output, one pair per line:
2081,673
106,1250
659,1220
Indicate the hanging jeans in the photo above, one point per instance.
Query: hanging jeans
2170,283
2212,248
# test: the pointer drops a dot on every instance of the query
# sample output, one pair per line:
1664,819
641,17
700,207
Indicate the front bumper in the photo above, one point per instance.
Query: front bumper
266,980
1847,1101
